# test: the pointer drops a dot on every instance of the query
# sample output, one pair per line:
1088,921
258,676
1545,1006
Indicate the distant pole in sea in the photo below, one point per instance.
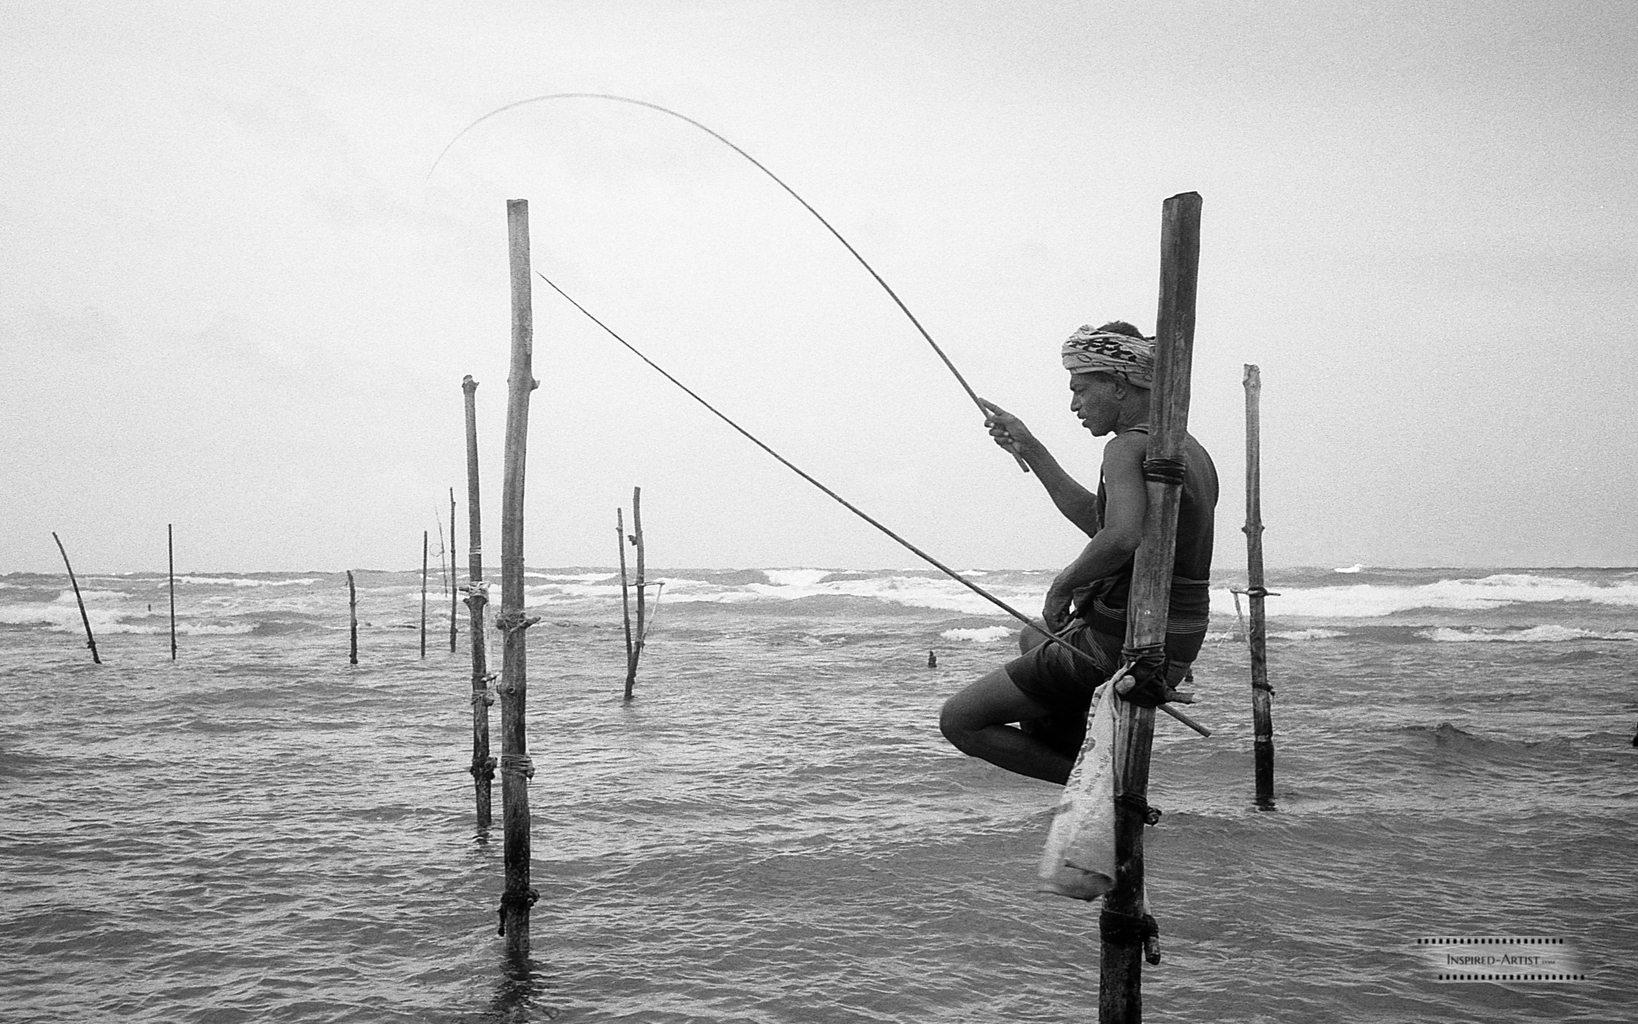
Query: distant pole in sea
642,598
170,563
477,597
516,768
1127,930
443,567
1261,693
352,619
625,599
452,587
90,641
423,592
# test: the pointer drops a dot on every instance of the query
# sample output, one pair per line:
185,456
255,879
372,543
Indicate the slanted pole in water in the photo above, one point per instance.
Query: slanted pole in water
170,569
352,618
477,597
443,570
1261,693
90,641
1125,926
625,600
516,768
642,583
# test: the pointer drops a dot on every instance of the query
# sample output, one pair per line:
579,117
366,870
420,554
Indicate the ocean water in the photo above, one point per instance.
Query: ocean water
773,830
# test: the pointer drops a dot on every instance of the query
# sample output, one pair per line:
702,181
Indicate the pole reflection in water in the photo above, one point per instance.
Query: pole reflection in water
519,992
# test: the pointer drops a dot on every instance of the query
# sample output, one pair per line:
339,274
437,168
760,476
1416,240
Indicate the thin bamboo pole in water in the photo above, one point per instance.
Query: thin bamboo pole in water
642,591
1125,926
90,641
1262,717
170,568
452,587
625,600
477,598
423,593
516,768
352,619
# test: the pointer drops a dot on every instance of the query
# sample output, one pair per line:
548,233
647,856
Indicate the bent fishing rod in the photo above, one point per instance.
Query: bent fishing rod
777,180
918,552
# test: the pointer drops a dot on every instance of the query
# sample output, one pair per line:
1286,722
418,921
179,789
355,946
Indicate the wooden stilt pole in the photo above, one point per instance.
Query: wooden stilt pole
477,597
1261,693
642,591
625,601
516,768
452,587
423,593
90,641
1124,923
170,563
352,618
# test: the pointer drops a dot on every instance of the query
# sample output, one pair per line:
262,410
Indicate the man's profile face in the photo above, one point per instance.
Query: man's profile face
1093,401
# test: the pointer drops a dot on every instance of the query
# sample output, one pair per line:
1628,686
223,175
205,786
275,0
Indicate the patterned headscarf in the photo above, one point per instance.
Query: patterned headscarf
1090,350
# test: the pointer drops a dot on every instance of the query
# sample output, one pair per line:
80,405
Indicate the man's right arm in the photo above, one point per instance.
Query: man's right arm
1078,505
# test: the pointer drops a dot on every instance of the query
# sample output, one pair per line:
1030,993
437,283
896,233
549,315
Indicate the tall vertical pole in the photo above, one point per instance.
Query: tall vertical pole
170,563
1261,693
90,641
477,597
423,593
516,768
352,618
452,587
1125,925
625,601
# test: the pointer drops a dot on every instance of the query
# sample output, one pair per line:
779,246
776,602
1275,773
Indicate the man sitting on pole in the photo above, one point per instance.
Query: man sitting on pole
1048,689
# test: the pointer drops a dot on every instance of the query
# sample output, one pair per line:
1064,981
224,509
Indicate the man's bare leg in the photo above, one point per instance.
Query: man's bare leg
976,721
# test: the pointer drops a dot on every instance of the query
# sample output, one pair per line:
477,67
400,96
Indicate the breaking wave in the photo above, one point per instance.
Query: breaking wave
1532,635
982,635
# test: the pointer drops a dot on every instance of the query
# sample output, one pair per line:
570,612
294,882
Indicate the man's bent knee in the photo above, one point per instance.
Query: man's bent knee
957,728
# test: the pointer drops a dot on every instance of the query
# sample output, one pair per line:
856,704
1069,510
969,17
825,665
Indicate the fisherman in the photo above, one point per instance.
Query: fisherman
1047,690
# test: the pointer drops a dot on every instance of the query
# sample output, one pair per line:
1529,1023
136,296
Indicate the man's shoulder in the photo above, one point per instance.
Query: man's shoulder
1126,443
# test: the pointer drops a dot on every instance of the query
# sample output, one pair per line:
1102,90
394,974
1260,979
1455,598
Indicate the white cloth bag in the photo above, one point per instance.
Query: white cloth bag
1079,860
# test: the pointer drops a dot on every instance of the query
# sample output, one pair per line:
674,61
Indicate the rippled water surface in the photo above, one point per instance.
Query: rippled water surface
773,831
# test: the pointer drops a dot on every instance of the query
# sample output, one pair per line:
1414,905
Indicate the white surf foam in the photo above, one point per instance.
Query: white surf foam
1306,634
984,635
235,581
1364,600
795,577
1532,635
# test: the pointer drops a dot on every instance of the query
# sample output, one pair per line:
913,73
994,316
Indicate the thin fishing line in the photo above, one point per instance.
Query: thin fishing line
918,552
777,180
788,464
924,556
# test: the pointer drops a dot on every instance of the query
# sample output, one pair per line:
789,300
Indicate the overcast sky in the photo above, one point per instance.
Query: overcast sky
232,298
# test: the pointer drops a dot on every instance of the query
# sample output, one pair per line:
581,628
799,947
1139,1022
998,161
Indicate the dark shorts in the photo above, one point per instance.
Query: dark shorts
1054,678
1063,683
